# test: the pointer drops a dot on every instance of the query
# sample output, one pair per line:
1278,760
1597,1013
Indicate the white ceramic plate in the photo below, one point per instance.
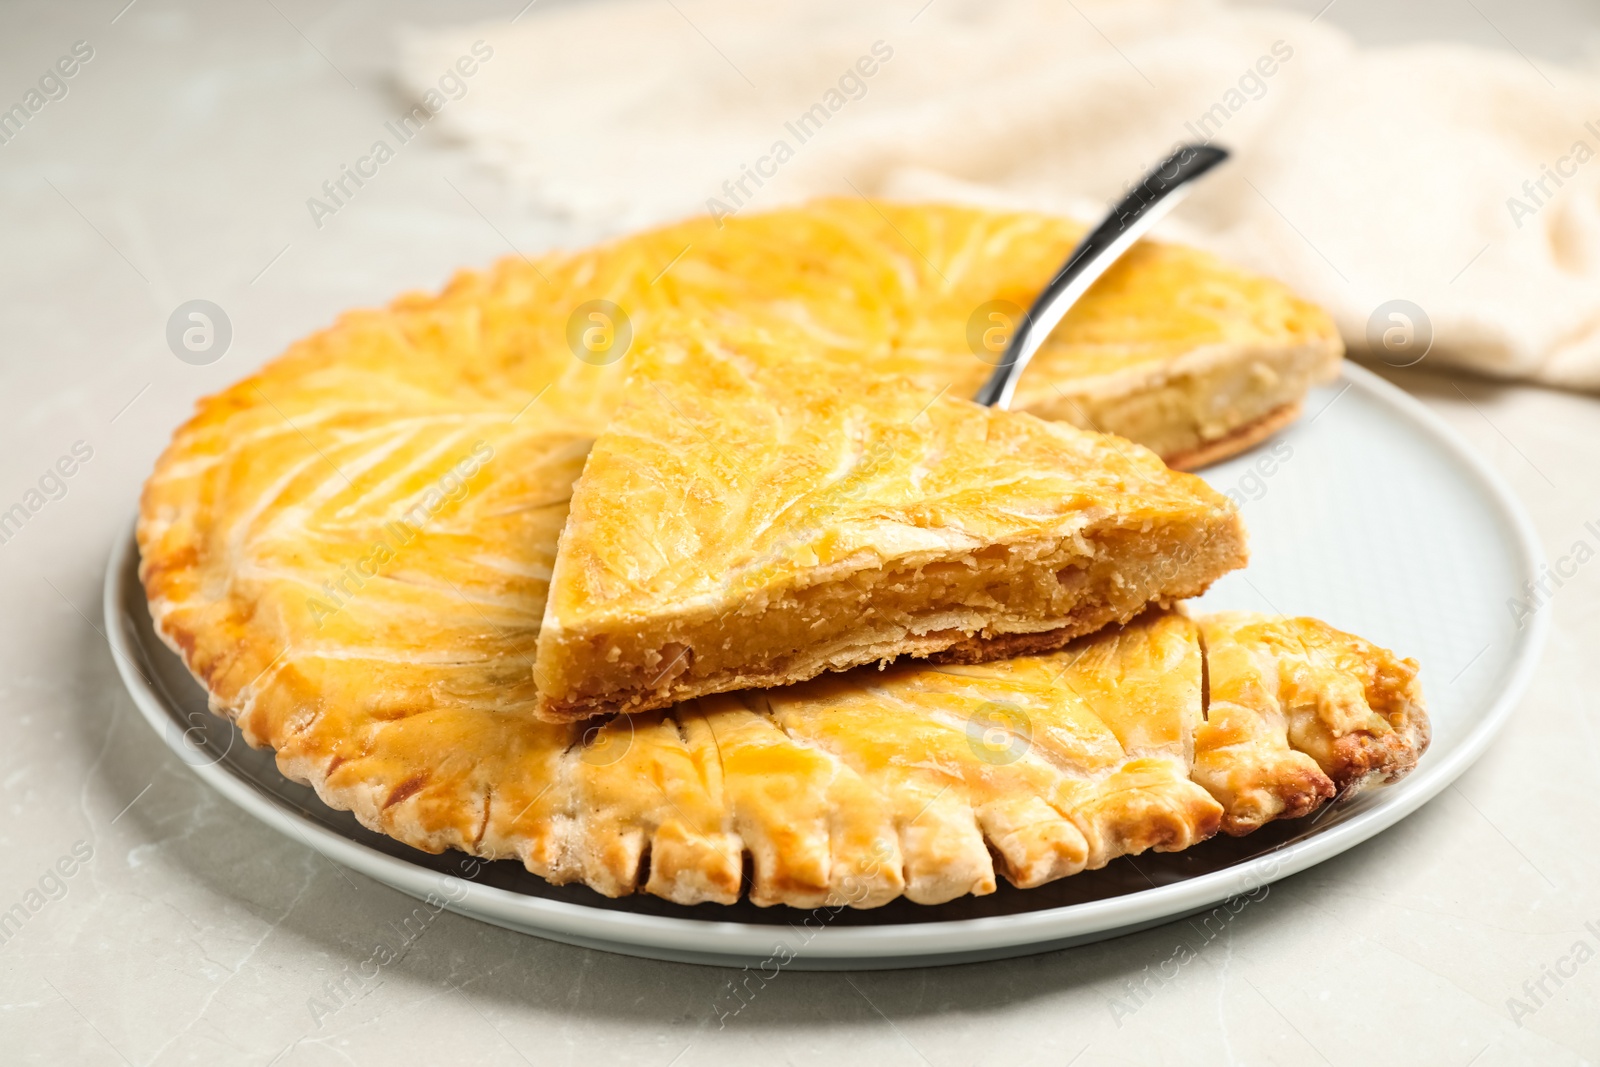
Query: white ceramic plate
1369,513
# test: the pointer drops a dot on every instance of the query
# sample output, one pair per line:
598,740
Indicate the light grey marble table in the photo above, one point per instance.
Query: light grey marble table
172,928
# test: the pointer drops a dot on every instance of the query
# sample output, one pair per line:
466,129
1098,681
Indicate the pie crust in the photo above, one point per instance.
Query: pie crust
1301,712
1244,437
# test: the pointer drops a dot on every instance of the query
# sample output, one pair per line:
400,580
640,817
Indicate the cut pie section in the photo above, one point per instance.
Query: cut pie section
758,513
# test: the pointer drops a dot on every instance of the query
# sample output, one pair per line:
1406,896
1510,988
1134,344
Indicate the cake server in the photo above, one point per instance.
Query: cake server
1156,194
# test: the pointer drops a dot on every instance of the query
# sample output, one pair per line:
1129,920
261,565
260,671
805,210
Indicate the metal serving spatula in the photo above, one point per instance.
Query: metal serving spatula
1158,193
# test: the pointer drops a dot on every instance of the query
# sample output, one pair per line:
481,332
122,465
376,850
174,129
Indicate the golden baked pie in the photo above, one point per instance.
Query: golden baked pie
758,512
351,550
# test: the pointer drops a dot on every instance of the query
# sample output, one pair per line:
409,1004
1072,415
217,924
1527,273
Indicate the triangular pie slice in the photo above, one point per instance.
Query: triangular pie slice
757,513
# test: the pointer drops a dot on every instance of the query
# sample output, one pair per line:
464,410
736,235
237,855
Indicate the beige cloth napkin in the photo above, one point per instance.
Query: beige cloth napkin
1443,202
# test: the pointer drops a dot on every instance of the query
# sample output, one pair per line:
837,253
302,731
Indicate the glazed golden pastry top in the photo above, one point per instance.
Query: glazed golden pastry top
744,465
917,285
